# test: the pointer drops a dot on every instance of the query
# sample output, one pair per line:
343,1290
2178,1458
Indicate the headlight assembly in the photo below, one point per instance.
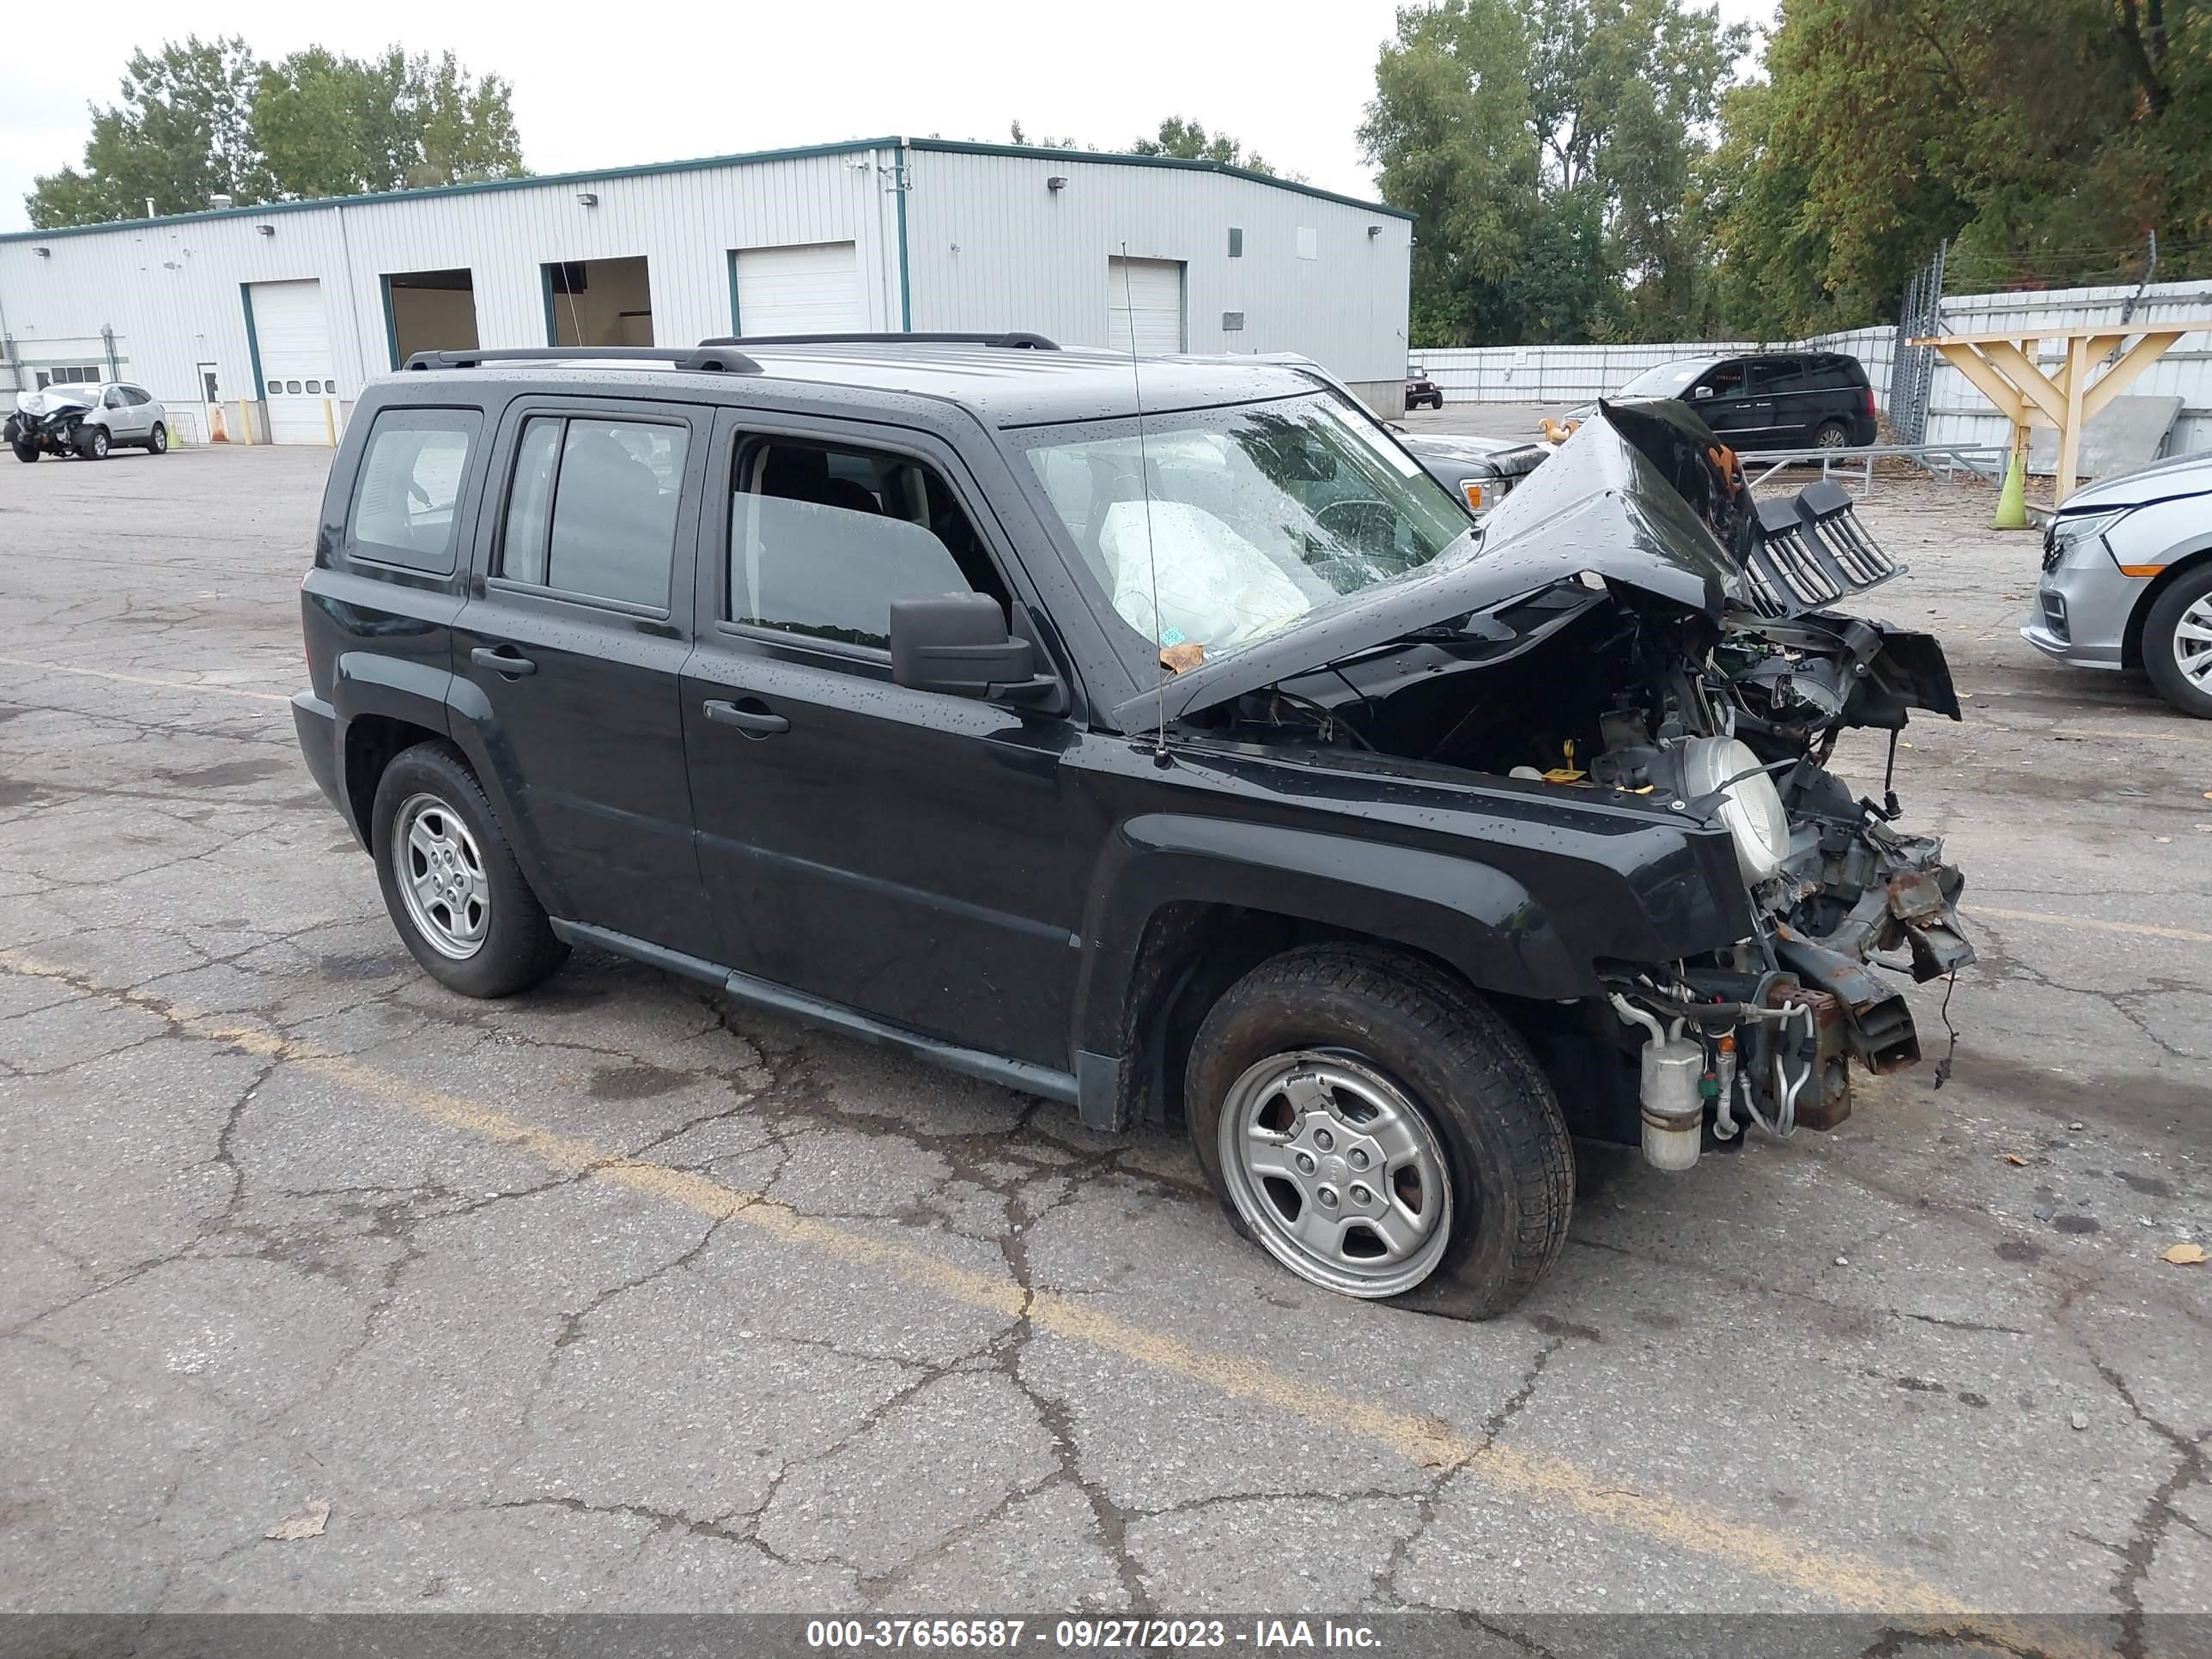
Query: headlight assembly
1751,807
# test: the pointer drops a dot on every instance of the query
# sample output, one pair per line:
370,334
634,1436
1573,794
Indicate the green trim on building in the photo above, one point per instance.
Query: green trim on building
651,169
899,183
552,326
1116,158
734,328
643,170
391,322
252,341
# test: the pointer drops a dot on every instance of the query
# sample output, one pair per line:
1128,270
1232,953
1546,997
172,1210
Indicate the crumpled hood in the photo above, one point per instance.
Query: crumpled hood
53,398
1599,504
2161,481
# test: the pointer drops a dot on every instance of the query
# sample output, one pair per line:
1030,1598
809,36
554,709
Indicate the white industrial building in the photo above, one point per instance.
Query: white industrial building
269,317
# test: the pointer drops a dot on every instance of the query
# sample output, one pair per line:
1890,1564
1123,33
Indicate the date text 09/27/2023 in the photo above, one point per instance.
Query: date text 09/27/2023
1260,1635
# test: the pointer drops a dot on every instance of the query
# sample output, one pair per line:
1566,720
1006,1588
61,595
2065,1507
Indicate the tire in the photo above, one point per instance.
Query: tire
1298,1051
1832,434
507,949
24,451
2177,639
157,441
92,446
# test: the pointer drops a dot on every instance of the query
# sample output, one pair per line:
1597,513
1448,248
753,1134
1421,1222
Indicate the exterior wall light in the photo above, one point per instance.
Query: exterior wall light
264,230
43,253
1374,230
585,198
1057,181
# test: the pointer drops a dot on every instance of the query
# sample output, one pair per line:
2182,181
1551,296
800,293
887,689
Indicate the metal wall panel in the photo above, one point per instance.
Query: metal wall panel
991,245
985,246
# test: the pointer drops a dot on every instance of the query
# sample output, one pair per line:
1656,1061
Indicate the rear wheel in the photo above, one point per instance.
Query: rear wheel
92,446
158,441
24,451
1381,1133
451,882
1832,435
2177,643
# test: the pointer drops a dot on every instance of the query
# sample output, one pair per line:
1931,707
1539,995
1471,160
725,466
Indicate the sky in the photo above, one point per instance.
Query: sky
1289,77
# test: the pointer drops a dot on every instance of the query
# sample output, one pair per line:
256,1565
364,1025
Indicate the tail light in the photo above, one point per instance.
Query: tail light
1870,407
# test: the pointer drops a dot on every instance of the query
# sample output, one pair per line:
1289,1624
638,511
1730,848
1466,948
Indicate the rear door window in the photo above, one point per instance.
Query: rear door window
593,508
1777,374
405,501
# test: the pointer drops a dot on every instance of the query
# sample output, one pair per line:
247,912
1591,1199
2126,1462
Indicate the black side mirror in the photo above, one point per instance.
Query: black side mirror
957,643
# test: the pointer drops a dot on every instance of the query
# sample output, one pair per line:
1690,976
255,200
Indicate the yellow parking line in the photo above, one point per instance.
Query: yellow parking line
1428,1442
144,679
2145,929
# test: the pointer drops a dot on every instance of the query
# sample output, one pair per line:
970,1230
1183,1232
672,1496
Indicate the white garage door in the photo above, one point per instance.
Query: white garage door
815,289
1144,299
293,338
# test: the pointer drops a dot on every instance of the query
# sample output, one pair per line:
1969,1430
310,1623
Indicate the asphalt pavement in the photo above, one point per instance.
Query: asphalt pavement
615,1296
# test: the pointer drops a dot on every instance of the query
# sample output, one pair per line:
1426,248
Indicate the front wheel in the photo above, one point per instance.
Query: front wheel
450,879
1379,1132
158,441
2177,643
94,445
24,451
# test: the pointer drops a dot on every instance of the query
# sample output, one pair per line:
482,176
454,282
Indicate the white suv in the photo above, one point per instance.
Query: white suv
87,421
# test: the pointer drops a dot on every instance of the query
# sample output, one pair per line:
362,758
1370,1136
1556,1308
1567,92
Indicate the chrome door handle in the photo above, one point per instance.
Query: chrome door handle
500,663
754,722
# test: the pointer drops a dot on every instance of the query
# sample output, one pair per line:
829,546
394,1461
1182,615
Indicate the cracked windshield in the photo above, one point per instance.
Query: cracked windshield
1220,526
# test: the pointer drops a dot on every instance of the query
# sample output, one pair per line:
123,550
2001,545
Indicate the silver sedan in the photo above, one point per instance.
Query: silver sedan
2127,580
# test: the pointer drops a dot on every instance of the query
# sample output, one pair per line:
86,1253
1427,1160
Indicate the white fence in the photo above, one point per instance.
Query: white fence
1957,413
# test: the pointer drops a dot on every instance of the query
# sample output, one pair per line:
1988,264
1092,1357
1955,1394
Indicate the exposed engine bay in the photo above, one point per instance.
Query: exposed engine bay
1722,706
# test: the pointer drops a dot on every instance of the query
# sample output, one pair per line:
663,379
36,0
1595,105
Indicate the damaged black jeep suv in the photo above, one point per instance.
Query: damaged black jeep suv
1158,737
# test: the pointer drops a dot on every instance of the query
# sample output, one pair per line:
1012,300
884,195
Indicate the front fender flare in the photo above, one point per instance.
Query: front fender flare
1481,920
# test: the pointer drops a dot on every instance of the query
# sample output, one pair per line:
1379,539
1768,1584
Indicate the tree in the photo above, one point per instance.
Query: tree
1018,136
2046,137
467,126
1550,148
181,135
1189,141
1452,129
207,118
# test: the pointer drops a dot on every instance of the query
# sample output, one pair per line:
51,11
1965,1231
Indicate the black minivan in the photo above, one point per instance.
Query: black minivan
1773,400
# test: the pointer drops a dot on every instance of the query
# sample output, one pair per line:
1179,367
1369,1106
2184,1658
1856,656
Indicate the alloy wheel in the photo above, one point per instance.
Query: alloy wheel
1338,1173
2192,644
442,880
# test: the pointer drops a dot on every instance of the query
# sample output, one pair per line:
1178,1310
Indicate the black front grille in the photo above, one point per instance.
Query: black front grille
1811,551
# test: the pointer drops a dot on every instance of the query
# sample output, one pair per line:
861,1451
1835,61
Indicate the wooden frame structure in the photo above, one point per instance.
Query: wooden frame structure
2002,368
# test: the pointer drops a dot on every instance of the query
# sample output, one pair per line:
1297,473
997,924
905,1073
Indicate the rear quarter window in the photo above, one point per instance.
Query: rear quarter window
406,500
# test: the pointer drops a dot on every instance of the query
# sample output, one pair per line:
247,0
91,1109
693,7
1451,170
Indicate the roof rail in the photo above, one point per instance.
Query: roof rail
707,356
1013,339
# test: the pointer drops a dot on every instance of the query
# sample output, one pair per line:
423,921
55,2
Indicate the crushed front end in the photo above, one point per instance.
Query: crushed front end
1637,630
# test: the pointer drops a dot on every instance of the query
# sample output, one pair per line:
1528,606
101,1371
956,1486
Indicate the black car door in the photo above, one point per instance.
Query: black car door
896,853
1724,399
573,641
1792,403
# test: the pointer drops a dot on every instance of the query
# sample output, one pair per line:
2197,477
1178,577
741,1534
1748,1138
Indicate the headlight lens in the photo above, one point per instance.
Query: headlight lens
1752,809
2068,534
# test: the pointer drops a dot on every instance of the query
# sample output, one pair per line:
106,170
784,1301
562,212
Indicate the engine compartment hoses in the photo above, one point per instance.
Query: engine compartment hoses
1787,1089
1725,1063
1632,1015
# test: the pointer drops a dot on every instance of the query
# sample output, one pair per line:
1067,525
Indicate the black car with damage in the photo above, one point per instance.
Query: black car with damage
1159,739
